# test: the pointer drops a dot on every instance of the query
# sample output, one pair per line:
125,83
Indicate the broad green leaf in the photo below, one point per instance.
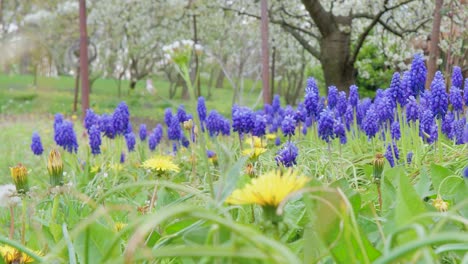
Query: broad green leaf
409,204
56,231
90,245
438,174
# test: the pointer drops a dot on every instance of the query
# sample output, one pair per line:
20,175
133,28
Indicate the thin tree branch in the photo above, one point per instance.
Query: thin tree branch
313,51
376,19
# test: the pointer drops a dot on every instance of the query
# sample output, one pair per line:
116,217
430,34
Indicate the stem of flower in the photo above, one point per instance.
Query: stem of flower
379,192
154,197
12,222
55,205
23,222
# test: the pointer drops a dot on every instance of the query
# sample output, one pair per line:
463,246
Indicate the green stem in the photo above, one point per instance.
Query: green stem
55,205
23,222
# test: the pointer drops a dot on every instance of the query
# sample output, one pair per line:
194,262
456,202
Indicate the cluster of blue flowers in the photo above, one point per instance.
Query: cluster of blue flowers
334,116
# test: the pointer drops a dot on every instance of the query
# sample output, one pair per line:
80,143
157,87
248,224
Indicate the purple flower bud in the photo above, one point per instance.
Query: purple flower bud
409,157
389,156
457,77
342,103
95,140
90,119
370,124
260,126
439,100
325,125
106,126
181,114
131,141
332,97
143,132
66,137
201,108
277,141
447,125
155,137
396,94
174,132
276,103
122,157
458,130
121,118
36,144
168,117
340,131
418,74
406,88
412,110
288,126
395,130
287,155
456,99
353,95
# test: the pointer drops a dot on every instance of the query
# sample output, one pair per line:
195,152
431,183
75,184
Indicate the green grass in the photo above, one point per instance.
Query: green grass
55,95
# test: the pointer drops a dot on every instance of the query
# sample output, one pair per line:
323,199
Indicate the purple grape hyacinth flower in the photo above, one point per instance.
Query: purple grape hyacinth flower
288,126
457,77
287,155
353,95
95,140
91,119
131,141
409,157
325,125
332,98
418,74
66,137
121,118
107,126
36,144
456,99
395,130
439,98
174,132
260,126
143,132
155,137
370,124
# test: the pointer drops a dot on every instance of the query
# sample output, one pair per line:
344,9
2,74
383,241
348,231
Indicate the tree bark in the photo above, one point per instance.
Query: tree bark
265,53
434,44
84,59
220,79
335,58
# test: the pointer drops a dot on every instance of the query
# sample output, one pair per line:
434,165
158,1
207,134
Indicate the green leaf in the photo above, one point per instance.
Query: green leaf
409,204
166,196
438,174
56,231
90,245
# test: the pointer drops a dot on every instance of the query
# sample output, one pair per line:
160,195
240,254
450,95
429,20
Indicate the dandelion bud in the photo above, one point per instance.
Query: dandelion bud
378,164
19,173
55,168
188,124
439,204
119,226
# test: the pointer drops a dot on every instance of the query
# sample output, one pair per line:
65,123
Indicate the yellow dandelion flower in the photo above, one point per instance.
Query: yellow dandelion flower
440,204
268,190
270,136
253,153
119,226
12,255
116,166
96,168
161,164
255,142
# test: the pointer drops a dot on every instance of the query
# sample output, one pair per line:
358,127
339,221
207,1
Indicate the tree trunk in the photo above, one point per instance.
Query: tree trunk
265,53
133,84
434,44
335,56
220,79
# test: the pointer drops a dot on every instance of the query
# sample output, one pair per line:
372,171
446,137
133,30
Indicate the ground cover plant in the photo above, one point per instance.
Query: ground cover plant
337,179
